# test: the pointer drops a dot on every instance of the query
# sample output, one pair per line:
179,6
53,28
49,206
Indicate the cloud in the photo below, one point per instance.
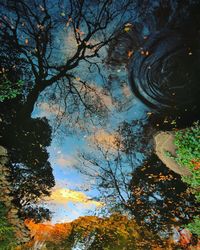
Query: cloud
63,196
66,161
105,97
104,139
126,91
49,110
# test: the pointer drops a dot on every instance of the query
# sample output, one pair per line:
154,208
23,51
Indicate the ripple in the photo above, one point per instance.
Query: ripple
165,72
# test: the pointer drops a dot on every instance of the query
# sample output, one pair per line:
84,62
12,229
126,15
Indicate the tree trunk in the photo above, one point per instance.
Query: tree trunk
32,97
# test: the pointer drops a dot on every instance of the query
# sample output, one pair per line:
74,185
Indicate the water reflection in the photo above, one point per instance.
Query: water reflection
153,194
165,71
30,171
159,198
77,85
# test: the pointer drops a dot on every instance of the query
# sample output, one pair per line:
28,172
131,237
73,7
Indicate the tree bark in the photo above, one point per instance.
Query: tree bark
28,106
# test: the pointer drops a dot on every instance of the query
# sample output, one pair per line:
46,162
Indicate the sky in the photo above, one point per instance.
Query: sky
72,195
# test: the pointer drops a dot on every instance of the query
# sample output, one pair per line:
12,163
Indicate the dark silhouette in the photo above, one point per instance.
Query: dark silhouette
30,171
38,30
159,199
152,193
32,36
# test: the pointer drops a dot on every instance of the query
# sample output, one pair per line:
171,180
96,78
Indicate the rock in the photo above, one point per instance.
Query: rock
164,142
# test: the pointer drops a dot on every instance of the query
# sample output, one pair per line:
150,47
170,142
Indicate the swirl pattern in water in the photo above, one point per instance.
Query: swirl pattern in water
165,72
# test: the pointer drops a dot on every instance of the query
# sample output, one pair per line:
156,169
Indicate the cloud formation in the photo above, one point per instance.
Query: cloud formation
66,161
63,196
104,139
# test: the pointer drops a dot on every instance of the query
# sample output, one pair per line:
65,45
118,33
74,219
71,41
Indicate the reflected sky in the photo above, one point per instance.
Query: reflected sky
63,158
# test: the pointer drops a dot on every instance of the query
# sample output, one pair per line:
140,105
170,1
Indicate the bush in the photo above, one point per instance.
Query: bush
7,237
9,90
188,155
194,227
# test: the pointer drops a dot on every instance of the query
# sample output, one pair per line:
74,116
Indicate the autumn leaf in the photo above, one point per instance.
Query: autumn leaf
130,52
128,27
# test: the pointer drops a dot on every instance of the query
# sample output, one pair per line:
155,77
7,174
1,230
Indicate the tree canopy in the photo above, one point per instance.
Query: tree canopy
40,33
30,171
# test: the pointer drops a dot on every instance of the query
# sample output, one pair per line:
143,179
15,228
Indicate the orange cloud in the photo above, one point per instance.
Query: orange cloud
104,139
64,195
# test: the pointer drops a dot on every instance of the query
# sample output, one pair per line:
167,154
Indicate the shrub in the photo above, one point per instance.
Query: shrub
9,90
188,155
7,237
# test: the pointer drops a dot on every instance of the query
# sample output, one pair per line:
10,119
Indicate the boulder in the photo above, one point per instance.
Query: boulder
164,142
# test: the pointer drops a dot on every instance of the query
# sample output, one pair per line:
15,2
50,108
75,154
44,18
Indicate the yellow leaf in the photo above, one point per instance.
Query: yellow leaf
127,29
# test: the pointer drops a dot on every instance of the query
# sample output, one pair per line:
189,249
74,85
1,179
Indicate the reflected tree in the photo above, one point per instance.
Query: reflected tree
159,199
112,157
153,194
104,163
30,171
91,232
53,39
43,44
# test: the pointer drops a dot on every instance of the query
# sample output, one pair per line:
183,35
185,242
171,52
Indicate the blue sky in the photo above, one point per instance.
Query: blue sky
63,158
64,147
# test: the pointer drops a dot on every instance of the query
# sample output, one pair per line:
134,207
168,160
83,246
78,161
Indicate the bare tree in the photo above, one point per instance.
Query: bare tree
109,170
110,161
39,29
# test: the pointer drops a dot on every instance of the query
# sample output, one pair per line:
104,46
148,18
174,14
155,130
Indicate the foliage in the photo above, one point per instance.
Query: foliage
159,197
188,155
194,226
7,238
9,90
110,233
31,172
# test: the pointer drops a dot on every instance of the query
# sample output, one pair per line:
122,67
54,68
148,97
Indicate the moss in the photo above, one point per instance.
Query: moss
194,227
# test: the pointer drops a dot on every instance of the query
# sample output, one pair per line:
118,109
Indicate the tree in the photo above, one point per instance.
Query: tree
7,236
150,192
111,158
25,138
104,162
113,232
31,173
38,31
159,199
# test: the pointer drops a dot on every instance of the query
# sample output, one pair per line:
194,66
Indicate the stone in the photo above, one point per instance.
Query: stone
164,142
